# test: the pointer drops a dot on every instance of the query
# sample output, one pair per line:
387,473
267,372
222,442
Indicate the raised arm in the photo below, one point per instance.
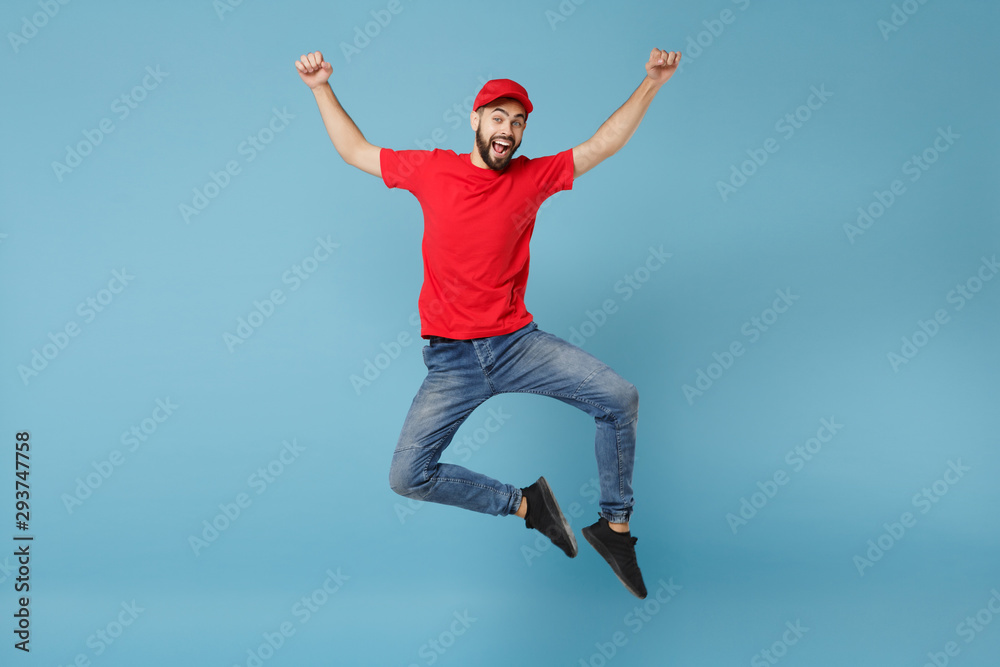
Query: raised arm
346,136
619,128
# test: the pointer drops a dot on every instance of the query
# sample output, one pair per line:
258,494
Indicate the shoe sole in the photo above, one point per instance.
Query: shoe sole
549,499
606,555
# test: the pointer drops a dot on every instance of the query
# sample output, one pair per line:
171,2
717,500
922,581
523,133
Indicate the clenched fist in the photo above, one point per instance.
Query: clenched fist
313,69
662,65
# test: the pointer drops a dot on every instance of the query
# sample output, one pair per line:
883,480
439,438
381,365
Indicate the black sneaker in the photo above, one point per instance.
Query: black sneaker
619,550
545,516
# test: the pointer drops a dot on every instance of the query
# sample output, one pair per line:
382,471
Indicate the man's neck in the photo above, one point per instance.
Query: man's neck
477,159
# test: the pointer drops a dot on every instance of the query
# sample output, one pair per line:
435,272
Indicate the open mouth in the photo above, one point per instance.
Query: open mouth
501,147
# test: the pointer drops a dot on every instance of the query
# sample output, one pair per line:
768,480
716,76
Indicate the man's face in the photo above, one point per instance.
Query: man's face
501,125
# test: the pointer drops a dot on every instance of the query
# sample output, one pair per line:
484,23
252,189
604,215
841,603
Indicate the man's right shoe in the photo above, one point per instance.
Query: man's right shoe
618,549
545,516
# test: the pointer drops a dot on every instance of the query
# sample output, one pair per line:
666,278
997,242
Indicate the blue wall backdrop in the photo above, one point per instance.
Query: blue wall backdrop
209,333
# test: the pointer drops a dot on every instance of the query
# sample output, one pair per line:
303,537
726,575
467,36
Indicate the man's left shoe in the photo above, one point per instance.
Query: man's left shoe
618,549
545,516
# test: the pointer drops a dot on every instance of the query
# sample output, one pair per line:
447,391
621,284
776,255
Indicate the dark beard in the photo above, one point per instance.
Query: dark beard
485,151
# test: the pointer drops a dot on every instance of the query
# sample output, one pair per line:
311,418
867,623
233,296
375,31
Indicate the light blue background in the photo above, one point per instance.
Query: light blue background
411,569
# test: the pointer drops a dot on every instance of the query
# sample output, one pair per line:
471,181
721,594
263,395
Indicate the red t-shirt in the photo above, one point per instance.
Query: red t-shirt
477,225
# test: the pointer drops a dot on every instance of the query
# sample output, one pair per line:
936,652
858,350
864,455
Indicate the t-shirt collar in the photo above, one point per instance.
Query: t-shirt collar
485,173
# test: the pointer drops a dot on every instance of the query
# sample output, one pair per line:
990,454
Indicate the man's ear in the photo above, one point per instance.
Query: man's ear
474,120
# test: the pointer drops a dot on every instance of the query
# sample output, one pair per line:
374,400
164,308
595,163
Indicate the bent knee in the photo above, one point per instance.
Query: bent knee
625,401
630,400
620,402
405,480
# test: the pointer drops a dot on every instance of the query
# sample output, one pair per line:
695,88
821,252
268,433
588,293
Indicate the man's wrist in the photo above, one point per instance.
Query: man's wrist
648,89
653,85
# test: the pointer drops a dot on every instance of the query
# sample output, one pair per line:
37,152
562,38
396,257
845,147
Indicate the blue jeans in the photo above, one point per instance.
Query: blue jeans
462,374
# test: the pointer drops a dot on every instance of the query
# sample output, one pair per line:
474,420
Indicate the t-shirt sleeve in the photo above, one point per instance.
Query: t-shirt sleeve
553,173
401,169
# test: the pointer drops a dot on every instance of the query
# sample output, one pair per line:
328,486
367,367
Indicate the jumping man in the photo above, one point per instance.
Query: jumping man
479,212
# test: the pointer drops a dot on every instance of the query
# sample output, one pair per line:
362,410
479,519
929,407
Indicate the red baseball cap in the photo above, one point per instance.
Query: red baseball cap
497,88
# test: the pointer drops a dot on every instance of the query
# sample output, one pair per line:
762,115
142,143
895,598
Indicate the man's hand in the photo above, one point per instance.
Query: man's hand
662,65
313,69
